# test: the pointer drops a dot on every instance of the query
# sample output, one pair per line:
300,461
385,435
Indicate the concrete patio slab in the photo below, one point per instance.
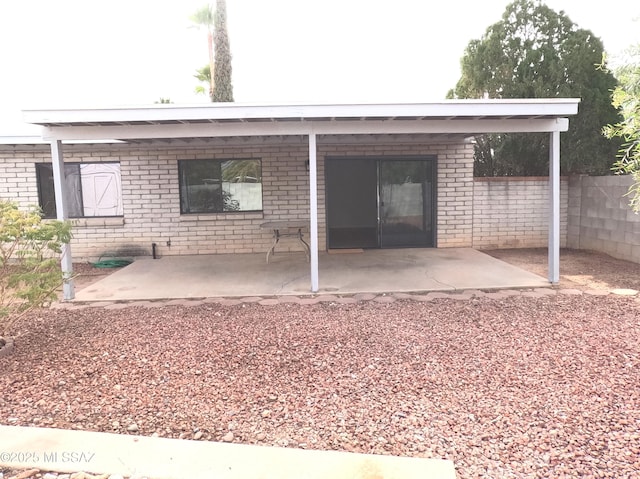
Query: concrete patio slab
159,458
248,275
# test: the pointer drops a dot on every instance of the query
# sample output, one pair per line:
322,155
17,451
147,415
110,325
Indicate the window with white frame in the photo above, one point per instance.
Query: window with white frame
92,189
220,186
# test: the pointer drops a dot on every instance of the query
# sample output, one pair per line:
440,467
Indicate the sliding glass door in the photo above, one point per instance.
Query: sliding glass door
406,209
352,203
380,202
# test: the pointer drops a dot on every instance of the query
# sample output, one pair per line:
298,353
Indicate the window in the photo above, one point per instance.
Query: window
93,189
220,186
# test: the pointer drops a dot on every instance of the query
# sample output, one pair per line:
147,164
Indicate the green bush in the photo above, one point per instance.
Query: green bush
30,270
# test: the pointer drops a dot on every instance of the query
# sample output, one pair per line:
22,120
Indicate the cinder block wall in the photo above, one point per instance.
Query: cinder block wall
513,212
600,218
151,199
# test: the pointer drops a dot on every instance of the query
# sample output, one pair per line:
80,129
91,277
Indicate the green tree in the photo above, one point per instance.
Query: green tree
30,270
204,18
626,97
534,52
203,75
222,87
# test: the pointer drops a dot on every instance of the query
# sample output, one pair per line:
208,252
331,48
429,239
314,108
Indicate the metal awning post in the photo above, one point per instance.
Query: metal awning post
554,207
313,211
62,210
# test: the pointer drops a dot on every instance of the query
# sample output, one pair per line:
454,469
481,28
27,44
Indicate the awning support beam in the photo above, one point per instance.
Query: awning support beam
554,207
313,211
62,210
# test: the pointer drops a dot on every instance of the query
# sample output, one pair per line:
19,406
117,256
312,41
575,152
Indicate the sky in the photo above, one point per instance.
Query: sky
106,53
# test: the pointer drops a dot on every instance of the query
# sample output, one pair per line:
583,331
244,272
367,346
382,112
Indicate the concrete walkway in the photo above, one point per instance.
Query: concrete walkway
159,458
372,271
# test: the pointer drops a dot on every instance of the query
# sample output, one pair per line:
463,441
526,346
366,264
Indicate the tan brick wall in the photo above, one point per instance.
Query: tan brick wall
150,194
513,212
18,175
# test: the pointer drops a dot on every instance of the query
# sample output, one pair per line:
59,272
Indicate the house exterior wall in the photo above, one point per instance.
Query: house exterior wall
151,197
513,212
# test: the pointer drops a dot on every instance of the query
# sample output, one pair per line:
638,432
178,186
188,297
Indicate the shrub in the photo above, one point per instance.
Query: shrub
30,270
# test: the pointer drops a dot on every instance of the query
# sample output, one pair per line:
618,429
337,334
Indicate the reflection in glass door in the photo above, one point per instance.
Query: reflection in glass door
406,203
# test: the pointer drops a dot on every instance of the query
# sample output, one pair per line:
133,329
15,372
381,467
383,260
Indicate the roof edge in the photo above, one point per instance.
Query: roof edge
238,111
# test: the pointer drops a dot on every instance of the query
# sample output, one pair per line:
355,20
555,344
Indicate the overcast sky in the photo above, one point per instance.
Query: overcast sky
96,53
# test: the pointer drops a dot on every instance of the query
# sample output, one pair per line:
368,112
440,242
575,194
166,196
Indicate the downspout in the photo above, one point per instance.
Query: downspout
62,210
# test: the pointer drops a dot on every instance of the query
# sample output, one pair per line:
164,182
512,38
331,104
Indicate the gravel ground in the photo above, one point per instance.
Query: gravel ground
515,387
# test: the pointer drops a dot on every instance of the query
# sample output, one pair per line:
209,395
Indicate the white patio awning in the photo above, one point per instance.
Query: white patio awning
466,117
169,122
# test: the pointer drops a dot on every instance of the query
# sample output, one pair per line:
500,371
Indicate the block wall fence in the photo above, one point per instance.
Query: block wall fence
600,217
513,212
594,214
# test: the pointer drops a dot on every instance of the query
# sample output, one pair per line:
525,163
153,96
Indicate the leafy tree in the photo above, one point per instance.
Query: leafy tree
204,18
626,97
29,267
222,87
534,52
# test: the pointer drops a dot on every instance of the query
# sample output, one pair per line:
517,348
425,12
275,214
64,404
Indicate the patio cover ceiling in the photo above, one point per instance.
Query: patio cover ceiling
454,117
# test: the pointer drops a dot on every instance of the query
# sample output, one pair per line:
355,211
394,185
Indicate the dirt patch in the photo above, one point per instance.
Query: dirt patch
86,274
579,269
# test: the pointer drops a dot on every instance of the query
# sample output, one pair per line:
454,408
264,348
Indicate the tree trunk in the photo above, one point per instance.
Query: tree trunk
211,63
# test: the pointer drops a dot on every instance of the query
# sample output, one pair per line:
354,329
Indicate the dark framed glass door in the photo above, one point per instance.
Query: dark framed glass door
352,203
380,202
406,203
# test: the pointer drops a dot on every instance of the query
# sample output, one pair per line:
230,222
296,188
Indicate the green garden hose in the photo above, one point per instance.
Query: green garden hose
111,263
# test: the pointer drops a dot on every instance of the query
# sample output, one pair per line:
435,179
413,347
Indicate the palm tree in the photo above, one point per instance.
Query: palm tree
204,17
203,75
223,89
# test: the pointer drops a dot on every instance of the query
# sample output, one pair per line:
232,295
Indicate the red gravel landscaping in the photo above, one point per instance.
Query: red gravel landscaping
515,387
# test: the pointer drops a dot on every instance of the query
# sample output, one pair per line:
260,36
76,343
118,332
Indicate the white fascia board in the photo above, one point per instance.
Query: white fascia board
365,127
239,112
39,140
22,140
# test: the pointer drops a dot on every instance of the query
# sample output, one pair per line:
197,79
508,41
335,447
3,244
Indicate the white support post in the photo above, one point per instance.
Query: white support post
554,207
313,212
62,209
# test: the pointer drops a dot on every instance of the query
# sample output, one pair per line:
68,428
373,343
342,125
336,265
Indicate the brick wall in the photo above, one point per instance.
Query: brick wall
18,175
513,212
600,218
150,193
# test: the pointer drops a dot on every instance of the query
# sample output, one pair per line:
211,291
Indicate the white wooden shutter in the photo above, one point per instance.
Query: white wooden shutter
101,189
